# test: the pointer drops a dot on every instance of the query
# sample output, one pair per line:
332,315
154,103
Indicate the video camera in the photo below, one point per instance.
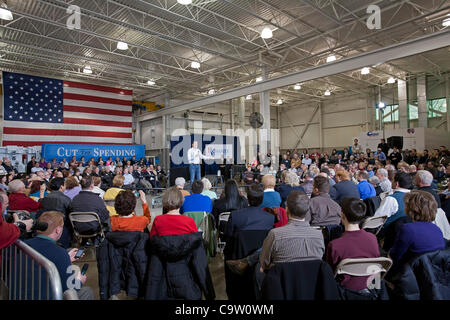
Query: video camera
25,215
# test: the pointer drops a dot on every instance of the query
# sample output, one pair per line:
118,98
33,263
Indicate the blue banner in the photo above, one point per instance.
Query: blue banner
60,151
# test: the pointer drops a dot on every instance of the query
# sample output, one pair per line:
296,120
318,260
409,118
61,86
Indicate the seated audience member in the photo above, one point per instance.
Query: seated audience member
46,244
128,177
271,197
207,189
375,182
56,200
385,183
324,211
423,180
344,187
365,189
107,177
10,232
248,176
72,187
180,182
172,222
112,193
295,241
196,201
97,189
289,183
327,173
35,189
126,220
307,185
353,243
18,200
393,205
252,217
87,201
421,235
230,200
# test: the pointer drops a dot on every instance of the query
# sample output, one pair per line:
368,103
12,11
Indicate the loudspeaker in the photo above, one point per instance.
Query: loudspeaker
395,141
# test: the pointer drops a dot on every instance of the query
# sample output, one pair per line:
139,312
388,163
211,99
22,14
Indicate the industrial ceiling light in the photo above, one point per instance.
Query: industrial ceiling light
331,58
195,65
122,45
185,2
365,70
249,97
381,105
280,101
87,70
5,14
266,33
259,79
391,80
446,22
151,82
211,91
327,93
297,86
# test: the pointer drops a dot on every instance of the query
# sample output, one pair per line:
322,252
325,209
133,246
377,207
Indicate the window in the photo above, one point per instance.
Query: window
436,107
390,113
413,112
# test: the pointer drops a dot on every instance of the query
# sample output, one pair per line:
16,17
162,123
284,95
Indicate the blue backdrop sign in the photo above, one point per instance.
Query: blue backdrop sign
60,151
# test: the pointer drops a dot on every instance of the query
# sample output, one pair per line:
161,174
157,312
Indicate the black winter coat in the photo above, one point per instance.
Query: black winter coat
122,263
301,280
178,268
424,277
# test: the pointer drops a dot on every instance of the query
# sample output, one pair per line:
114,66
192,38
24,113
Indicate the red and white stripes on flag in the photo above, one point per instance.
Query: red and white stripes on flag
92,114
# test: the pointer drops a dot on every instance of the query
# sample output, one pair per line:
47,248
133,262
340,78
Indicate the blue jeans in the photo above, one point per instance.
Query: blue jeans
194,172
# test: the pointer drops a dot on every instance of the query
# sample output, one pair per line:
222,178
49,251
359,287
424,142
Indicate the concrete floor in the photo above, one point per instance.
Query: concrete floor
216,266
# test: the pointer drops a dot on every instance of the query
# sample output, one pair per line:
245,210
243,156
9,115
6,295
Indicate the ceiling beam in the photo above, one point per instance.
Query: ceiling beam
396,51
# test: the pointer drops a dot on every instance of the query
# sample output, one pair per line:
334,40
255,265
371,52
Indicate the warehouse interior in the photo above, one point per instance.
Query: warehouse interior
313,74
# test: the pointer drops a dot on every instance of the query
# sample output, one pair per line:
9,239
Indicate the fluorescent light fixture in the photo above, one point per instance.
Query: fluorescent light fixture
280,101
211,91
259,79
391,80
381,105
195,65
331,58
5,14
266,33
327,93
297,86
446,22
365,70
122,45
185,2
87,70
249,97
151,82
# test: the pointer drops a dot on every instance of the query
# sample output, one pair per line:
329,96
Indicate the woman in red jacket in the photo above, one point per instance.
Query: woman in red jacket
172,223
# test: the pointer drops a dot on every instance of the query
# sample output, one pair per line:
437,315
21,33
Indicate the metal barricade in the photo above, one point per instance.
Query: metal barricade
28,275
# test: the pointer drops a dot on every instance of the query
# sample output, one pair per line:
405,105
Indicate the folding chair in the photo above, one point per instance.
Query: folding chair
363,267
374,223
205,224
223,219
70,294
85,217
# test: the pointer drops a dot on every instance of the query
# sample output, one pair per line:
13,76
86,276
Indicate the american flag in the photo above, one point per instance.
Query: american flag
40,110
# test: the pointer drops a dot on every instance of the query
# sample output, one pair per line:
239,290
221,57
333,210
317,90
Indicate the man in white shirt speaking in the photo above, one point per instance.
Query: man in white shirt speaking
195,157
